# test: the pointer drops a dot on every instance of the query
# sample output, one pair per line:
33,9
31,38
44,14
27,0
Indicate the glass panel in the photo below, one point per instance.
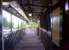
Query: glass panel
14,23
6,22
20,23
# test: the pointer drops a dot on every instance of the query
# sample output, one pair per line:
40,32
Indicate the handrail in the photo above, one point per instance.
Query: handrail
44,30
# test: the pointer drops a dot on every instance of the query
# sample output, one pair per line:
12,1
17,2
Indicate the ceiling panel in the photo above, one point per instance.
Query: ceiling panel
7,0
54,1
36,14
24,2
37,2
36,9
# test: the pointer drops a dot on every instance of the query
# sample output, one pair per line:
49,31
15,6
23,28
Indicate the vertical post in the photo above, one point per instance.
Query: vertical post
1,47
21,24
11,22
49,16
62,6
49,25
0,18
18,24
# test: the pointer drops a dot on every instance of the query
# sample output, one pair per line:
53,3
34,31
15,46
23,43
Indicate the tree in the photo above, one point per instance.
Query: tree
5,23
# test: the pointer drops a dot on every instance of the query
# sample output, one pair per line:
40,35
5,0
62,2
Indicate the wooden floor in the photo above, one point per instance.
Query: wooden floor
29,41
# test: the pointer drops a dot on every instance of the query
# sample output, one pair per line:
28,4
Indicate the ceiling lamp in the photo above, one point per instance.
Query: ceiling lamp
30,14
66,6
5,3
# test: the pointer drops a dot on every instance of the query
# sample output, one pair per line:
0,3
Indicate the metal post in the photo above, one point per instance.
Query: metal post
21,23
18,24
11,22
1,35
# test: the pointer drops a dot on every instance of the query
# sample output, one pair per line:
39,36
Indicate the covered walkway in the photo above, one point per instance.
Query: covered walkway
29,41
19,17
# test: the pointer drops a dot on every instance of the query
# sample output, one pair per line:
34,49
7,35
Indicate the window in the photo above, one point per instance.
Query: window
14,23
6,22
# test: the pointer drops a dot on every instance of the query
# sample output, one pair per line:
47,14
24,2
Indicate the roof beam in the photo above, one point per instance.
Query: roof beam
18,9
36,12
33,5
11,11
52,8
8,0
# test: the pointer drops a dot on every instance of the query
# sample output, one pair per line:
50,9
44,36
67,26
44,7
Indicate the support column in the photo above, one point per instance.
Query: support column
45,23
45,19
0,25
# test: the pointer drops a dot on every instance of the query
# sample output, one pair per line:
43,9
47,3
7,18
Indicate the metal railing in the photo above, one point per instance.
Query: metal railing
12,39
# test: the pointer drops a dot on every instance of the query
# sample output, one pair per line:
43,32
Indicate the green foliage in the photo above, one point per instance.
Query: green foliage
33,25
5,23
10,24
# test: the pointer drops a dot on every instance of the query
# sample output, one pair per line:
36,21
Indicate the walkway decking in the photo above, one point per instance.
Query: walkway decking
29,41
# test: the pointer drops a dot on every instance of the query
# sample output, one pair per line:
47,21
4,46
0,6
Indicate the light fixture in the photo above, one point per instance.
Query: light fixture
66,6
5,3
30,14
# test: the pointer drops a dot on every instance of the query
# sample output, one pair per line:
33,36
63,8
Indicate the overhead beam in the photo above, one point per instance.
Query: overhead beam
36,12
56,5
16,14
8,0
52,8
34,5
18,9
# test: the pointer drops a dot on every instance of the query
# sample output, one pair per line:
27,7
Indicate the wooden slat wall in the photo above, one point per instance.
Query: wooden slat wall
56,27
